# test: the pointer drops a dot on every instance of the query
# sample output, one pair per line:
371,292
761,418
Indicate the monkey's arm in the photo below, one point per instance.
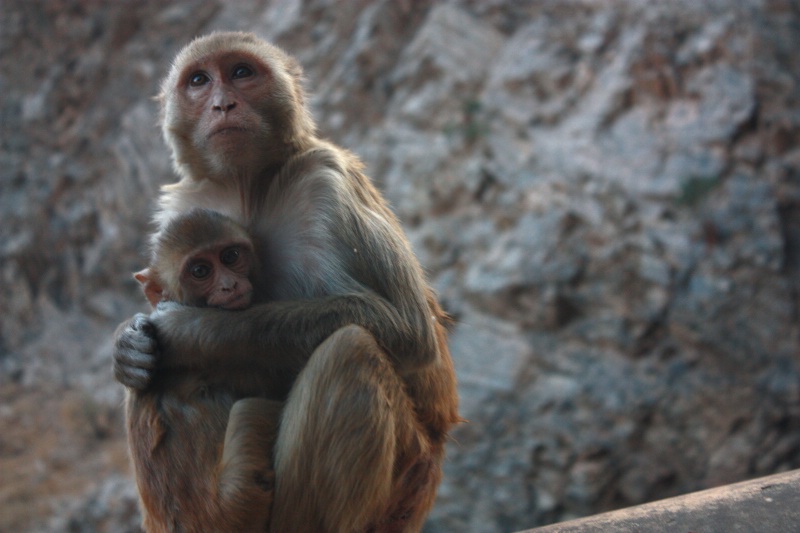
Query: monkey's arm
283,333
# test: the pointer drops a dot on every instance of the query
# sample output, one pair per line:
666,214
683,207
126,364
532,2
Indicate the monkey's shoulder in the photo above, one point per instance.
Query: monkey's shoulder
323,162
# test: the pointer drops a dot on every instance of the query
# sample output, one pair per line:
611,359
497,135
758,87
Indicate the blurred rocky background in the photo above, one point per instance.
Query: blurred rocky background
605,193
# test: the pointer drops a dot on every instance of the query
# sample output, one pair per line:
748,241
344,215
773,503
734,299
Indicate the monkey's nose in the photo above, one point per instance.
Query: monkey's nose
224,107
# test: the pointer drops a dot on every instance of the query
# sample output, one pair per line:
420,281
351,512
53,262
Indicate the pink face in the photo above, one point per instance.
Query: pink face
218,277
224,94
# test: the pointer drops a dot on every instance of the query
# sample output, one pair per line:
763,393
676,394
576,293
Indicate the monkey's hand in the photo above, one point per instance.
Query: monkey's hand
135,352
191,337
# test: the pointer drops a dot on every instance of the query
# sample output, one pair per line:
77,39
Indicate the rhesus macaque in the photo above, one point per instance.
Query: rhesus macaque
201,258
347,313
186,480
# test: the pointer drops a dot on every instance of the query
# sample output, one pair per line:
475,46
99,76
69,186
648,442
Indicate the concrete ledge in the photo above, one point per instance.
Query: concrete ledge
768,504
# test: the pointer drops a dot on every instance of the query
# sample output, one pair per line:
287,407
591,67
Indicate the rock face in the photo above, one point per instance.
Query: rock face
605,194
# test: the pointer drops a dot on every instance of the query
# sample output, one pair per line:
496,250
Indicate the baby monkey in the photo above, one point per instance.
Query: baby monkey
202,258
201,441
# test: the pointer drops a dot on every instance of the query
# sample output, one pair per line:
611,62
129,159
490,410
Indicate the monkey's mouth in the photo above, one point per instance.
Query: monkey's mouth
227,130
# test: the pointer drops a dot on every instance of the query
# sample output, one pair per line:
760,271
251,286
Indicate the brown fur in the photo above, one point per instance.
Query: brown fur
361,441
201,452
220,479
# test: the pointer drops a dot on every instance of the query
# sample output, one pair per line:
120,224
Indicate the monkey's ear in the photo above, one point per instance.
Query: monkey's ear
153,291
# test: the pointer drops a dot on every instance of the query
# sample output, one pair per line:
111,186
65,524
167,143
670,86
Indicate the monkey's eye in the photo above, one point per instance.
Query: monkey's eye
200,270
230,255
198,78
241,71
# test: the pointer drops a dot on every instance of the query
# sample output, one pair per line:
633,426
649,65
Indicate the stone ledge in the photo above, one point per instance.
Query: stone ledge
768,504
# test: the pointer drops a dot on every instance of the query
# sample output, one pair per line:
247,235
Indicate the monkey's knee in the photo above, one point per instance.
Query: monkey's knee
254,415
350,353
256,411
250,436
348,340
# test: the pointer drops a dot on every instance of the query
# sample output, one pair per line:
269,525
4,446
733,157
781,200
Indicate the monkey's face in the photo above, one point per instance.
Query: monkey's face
232,107
222,112
218,276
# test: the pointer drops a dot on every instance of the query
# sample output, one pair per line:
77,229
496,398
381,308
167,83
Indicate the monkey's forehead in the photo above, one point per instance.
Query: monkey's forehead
223,42
182,244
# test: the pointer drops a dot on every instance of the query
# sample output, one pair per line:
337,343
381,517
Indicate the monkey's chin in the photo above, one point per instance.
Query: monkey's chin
231,156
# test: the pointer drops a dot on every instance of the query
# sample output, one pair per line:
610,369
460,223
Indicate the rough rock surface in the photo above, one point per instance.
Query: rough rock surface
605,194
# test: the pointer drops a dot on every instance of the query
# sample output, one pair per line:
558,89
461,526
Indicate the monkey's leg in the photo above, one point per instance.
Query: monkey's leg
346,422
246,475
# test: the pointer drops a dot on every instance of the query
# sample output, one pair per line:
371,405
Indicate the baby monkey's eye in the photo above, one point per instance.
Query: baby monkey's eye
200,271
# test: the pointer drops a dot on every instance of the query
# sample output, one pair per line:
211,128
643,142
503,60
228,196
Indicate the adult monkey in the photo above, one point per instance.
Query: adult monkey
361,440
